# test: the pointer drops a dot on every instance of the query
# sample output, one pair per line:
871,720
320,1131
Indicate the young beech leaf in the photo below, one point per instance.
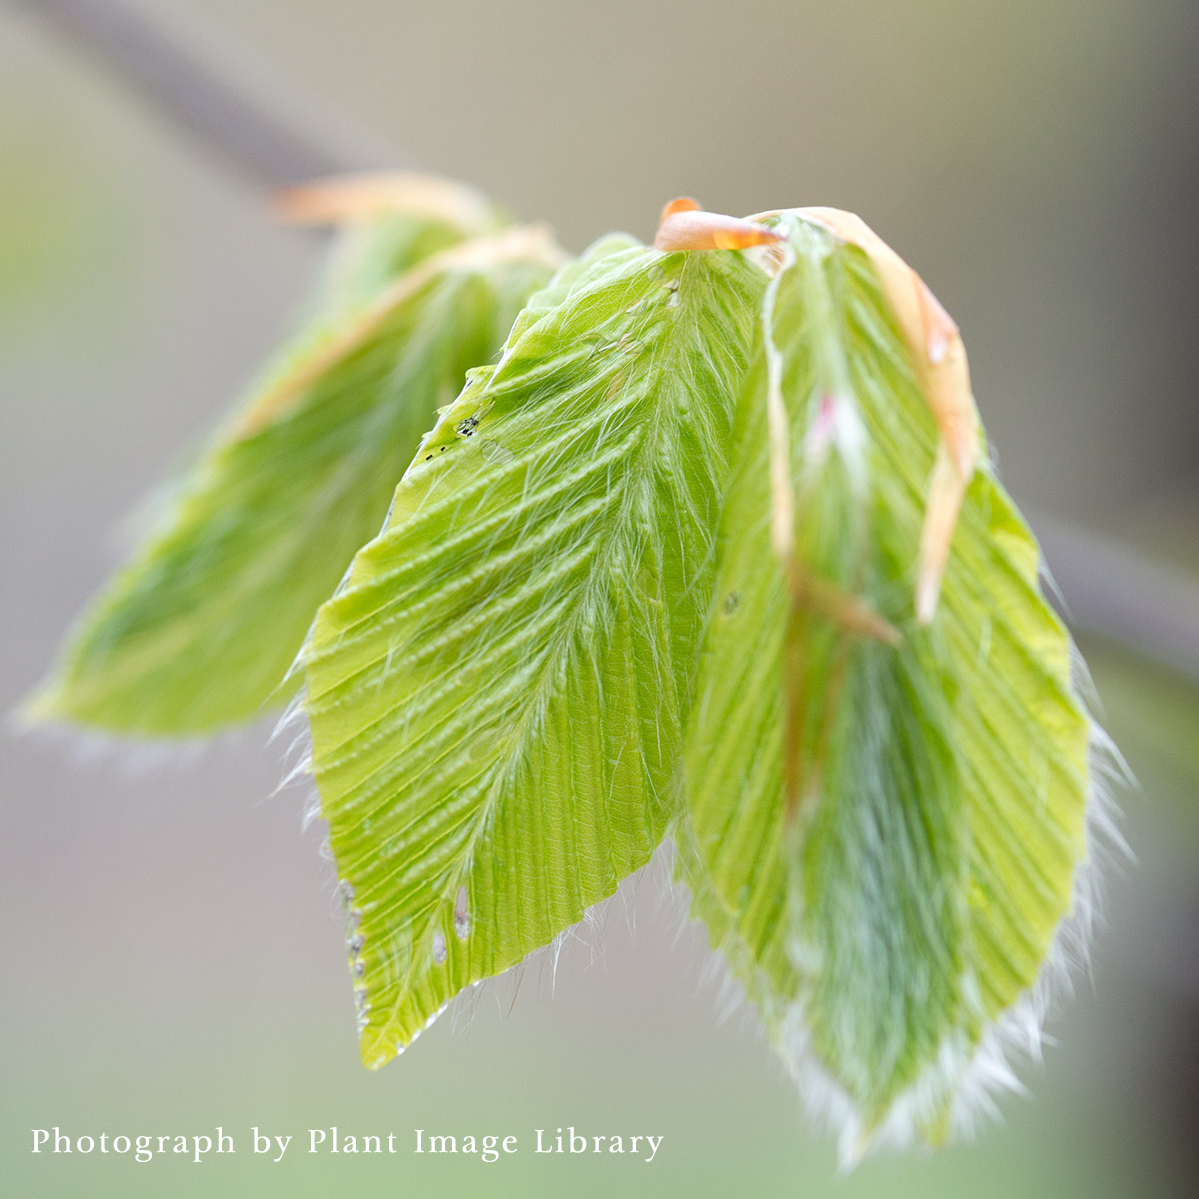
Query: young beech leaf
200,628
887,828
498,689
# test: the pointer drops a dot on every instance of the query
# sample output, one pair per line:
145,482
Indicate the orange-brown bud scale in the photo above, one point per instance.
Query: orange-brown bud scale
685,226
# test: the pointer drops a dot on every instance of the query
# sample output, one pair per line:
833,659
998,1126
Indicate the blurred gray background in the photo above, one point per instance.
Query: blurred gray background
172,951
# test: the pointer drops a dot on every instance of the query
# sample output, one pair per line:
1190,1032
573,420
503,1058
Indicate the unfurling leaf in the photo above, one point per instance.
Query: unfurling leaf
200,628
498,690
885,832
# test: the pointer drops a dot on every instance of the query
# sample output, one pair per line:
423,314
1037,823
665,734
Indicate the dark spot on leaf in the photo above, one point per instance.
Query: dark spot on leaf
732,602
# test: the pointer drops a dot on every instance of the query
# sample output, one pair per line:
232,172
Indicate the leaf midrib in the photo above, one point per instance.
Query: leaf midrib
637,489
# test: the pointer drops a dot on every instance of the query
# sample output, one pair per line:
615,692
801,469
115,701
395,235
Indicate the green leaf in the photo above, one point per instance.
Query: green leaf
199,630
497,692
383,225
884,838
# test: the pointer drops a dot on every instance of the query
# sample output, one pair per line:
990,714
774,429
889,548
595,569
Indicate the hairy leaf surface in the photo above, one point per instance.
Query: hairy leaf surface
200,628
883,838
497,691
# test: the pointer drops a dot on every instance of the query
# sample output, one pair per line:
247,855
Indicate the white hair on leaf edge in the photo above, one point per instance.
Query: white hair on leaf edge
134,757
969,1077
582,941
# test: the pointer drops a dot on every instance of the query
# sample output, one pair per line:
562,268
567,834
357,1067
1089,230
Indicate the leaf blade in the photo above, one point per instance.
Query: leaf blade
496,694
793,908
200,629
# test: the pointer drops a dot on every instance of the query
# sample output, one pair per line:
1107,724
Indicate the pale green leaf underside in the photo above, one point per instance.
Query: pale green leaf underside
199,629
917,898
497,691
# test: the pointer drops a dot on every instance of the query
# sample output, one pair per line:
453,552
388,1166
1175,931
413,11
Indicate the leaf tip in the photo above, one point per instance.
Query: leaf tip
44,706
374,1051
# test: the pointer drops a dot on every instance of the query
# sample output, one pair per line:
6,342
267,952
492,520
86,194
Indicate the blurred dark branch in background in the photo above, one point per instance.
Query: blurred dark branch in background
1114,592
253,120
275,137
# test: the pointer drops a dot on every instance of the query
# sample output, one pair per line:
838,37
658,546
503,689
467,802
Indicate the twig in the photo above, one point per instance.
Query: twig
217,90
1121,595
270,134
